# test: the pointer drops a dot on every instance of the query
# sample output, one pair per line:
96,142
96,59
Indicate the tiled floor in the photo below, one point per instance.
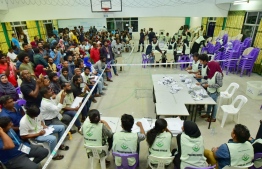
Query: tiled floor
131,93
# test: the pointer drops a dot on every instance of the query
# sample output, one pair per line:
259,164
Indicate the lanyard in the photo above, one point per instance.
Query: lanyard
14,137
32,123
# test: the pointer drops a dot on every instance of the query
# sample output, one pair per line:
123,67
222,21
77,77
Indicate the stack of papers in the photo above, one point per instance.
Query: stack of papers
166,81
174,125
146,125
77,102
49,130
175,89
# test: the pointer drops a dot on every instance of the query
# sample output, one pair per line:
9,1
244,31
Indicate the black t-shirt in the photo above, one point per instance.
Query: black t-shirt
142,36
77,90
26,89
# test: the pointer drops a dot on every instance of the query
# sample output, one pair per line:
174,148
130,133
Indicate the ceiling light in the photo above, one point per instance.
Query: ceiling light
239,2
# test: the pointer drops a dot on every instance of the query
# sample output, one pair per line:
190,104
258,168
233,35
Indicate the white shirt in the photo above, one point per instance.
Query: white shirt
29,125
130,29
50,109
12,56
116,47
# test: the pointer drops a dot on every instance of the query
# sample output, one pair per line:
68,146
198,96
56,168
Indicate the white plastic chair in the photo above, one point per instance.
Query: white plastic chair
96,155
231,167
226,95
231,109
161,161
157,57
169,58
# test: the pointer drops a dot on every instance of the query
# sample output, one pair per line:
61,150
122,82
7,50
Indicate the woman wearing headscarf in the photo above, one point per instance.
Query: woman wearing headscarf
159,141
6,88
190,147
61,44
150,54
213,84
39,69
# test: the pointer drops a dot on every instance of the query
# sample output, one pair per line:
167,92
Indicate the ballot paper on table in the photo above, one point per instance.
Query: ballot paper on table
174,125
145,123
76,102
49,130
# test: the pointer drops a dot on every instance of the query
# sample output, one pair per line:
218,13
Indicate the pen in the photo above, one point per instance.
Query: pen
112,122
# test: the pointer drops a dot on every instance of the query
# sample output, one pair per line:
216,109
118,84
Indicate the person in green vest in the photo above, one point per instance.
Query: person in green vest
238,151
159,141
96,132
190,147
127,142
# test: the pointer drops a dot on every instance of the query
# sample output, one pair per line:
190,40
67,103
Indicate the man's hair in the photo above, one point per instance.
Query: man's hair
87,68
21,56
24,44
196,55
13,34
64,84
4,121
35,37
32,111
94,116
51,76
64,69
127,122
1,55
36,50
241,132
44,90
4,99
203,57
75,78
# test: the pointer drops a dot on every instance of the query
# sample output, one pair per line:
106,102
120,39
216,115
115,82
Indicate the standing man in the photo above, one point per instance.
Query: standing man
25,63
141,41
108,52
35,42
130,31
151,35
55,32
95,53
15,41
29,51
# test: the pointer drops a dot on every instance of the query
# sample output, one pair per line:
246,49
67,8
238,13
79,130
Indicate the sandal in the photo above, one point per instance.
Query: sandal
58,157
63,147
205,116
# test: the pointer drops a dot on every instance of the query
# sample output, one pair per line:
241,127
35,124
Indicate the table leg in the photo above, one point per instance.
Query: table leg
154,97
211,116
195,110
192,113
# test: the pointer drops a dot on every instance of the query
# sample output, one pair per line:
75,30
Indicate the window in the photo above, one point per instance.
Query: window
122,24
251,17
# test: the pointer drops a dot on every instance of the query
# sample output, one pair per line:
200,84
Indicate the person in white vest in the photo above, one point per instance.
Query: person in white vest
213,84
190,147
196,66
159,141
127,142
155,45
238,151
96,132
203,58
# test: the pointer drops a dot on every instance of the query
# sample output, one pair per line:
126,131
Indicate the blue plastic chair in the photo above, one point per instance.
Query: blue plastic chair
125,161
18,90
144,60
211,167
21,102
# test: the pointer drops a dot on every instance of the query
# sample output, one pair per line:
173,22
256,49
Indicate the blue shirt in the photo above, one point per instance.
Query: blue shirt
55,32
223,155
58,58
14,116
6,155
16,42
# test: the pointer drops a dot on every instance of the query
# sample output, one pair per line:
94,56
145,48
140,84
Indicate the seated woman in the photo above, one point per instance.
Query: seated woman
96,132
190,147
237,152
150,54
6,88
40,70
159,140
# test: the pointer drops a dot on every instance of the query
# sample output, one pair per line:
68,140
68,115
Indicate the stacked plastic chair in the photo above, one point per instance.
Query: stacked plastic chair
245,44
205,49
225,39
184,58
247,62
144,60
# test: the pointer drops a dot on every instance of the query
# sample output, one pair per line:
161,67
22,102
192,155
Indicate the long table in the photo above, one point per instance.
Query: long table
168,104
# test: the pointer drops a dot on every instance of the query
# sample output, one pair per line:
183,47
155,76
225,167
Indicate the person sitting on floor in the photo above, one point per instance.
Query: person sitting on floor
190,147
159,141
33,127
127,142
51,65
150,54
64,76
11,153
237,152
11,110
6,88
96,132
100,65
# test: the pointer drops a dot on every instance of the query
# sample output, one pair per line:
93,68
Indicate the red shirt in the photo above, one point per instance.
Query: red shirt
11,78
95,54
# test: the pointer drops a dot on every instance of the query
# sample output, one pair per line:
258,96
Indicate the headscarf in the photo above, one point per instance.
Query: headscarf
149,49
213,67
40,70
8,88
61,43
191,129
86,62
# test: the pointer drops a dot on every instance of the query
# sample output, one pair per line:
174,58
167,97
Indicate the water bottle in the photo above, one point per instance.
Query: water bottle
213,131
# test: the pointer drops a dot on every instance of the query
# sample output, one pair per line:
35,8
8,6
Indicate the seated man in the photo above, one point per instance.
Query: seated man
50,110
68,101
101,133
32,127
54,82
11,155
238,151
126,141
64,77
65,65
11,110
51,65
100,65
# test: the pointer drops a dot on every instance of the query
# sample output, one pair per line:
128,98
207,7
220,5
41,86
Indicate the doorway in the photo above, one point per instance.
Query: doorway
49,28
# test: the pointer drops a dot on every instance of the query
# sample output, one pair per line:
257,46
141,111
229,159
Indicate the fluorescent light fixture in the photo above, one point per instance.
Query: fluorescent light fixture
239,2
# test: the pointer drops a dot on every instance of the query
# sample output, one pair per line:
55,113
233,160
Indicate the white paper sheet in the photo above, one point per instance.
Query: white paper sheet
49,130
76,102
174,125
145,123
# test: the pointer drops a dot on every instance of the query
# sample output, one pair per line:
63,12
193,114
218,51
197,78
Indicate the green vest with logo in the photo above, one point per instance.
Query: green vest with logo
92,134
212,82
192,152
241,154
125,142
161,146
195,66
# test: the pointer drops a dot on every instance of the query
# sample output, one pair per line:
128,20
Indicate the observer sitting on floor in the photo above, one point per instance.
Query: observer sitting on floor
130,143
238,151
190,147
11,155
